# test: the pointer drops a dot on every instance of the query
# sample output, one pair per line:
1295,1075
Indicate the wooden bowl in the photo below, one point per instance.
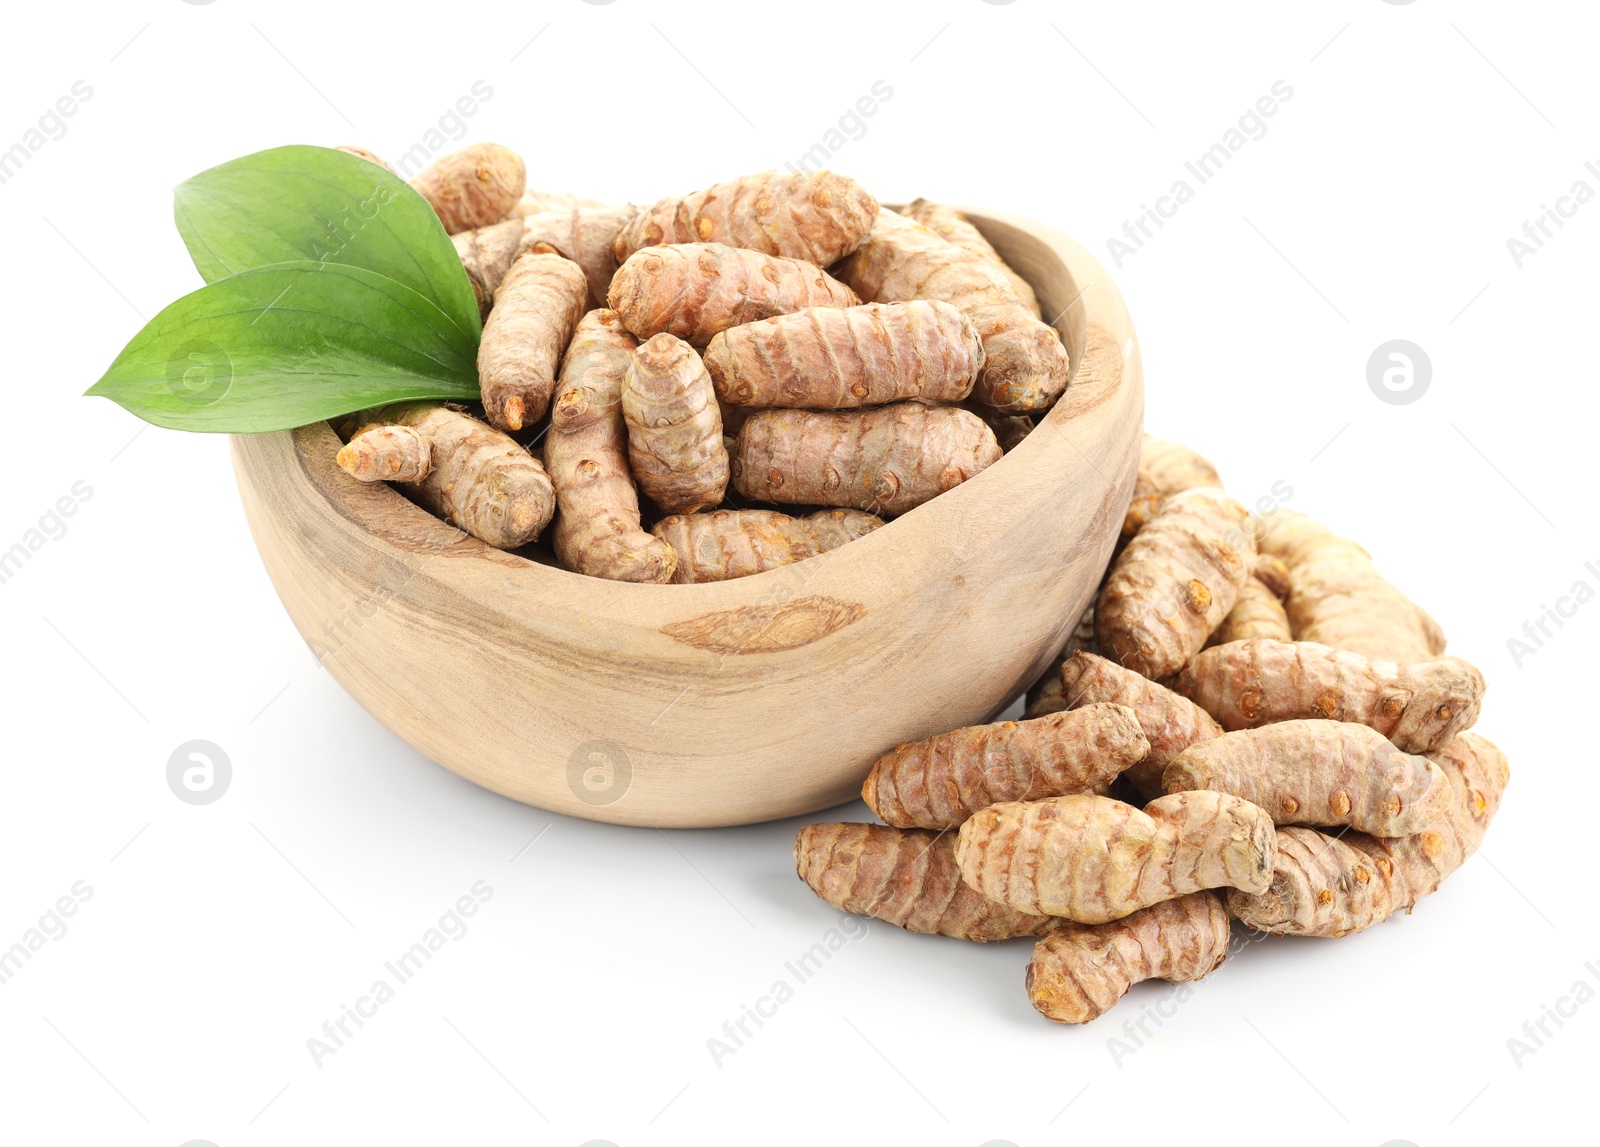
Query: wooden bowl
723,703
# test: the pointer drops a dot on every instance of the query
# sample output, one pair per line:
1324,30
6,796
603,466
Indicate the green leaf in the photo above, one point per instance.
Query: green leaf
296,203
287,345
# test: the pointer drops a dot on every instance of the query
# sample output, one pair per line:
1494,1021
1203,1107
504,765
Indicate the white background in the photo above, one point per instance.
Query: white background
578,1006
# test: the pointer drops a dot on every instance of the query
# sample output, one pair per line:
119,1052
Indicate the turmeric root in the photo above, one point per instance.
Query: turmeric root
1173,468
1319,773
584,235
1248,683
833,358
1171,723
486,255
581,234
543,202
387,454
473,187
1147,499
1009,429
1337,598
1025,366
726,544
905,877
831,529
597,531
536,309
1333,886
1093,859
1175,582
940,782
817,216
674,427
954,227
468,473
369,156
1079,971
695,290
886,460
1048,694
1258,611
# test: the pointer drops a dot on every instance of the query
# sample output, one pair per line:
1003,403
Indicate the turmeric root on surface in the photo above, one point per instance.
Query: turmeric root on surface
1258,611
597,530
1319,773
1171,723
954,227
1175,582
1093,859
940,782
1173,468
1147,499
1248,683
906,877
674,427
470,474
696,290
473,187
1333,886
835,358
1337,598
536,309
886,460
1079,971
726,544
818,216
1025,366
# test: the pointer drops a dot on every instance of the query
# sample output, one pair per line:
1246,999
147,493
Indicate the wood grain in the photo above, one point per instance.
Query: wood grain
726,702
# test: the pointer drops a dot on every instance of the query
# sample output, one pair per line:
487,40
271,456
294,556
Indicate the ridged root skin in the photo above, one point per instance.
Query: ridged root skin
473,187
954,227
818,216
1337,597
837,358
1094,859
940,782
1334,886
697,290
1175,582
1173,467
1025,367
387,454
726,544
597,528
1171,722
885,460
1317,772
536,308
905,877
674,427
1258,611
486,254
477,478
1079,971
1419,707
